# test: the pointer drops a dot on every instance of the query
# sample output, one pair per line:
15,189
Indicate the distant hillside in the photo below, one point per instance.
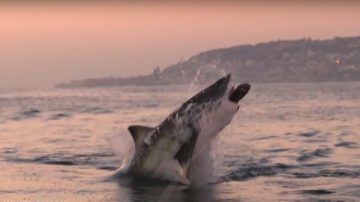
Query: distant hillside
302,60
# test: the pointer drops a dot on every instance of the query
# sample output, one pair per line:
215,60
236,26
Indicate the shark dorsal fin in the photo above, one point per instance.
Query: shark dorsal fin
139,133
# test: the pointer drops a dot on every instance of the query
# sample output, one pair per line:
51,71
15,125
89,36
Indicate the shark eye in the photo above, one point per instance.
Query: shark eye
149,140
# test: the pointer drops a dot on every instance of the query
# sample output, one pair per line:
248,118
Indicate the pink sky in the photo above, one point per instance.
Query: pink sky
43,44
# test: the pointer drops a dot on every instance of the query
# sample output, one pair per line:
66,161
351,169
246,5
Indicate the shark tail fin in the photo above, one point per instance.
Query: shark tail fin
139,133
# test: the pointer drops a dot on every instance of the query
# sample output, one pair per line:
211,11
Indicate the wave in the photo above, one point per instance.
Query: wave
249,171
59,116
328,173
29,113
320,152
316,192
350,145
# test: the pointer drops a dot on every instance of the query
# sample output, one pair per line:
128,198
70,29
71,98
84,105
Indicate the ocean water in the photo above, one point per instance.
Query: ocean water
288,142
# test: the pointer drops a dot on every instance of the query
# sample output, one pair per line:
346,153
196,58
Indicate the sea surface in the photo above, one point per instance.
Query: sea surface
288,142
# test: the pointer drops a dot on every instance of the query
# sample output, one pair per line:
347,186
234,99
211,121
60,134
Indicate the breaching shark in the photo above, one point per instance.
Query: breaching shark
167,151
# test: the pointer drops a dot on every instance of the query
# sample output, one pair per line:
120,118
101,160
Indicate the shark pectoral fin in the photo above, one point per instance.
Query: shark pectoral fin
183,179
180,174
172,171
184,155
139,133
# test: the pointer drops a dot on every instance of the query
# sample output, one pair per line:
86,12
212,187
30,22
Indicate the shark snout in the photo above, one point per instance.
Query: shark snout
239,92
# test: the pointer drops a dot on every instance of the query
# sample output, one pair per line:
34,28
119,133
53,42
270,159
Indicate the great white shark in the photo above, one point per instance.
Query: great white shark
169,151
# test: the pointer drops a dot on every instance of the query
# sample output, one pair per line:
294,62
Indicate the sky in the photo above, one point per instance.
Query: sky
43,43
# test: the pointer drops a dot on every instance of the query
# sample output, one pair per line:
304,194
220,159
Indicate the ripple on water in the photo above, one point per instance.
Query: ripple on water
48,160
309,134
29,113
98,160
253,170
316,191
277,150
328,173
9,150
309,155
263,138
59,116
97,110
350,145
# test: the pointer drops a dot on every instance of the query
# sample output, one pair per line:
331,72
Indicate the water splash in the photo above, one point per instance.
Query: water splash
195,80
201,71
217,152
121,144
